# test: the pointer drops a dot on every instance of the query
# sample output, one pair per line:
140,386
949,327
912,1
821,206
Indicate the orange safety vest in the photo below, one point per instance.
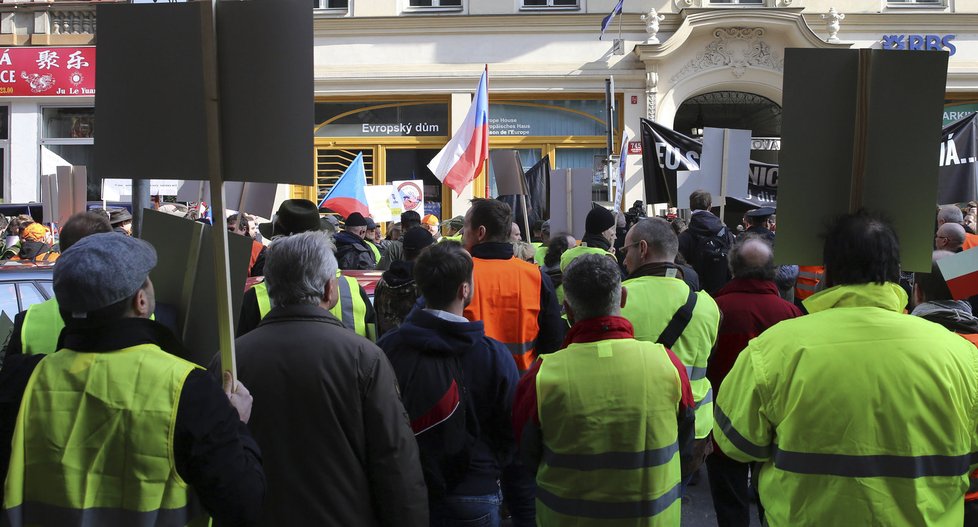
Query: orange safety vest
507,301
256,248
809,277
970,240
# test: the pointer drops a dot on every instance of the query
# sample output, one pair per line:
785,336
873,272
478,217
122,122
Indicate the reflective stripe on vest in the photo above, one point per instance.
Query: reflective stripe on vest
652,302
350,307
599,465
507,301
41,329
90,452
809,277
375,250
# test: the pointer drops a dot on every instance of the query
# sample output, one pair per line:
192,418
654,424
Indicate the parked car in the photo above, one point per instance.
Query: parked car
23,284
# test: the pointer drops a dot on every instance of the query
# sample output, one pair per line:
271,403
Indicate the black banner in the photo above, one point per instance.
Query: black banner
538,186
957,178
666,151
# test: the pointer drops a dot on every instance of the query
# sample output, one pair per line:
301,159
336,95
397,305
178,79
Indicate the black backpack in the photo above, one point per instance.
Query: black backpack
710,259
446,430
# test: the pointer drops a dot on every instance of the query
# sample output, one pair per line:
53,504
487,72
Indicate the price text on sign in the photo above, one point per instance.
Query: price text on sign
40,72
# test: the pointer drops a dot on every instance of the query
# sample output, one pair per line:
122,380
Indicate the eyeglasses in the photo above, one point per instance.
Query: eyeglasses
624,248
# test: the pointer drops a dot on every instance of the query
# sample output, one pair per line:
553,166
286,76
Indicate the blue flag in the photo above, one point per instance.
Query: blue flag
606,21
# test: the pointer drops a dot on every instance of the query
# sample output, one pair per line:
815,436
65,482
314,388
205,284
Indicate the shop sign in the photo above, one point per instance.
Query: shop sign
634,147
920,42
40,72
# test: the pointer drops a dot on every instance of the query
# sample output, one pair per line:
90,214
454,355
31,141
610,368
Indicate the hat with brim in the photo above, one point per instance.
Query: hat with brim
760,212
293,216
100,270
117,216
355,219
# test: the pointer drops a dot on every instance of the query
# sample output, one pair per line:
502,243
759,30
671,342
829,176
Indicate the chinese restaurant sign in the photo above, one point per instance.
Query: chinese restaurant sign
37,72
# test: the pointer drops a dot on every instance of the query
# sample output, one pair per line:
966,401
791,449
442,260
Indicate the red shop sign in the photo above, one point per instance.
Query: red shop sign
635,147
37,72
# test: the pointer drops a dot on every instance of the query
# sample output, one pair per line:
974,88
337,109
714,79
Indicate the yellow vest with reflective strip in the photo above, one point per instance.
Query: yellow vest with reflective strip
350,307
41,329
610,451
572,253
375,250
652,302
93,444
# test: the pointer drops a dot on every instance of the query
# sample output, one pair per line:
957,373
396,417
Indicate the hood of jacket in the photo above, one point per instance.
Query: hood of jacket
347,238
955,315
887,296
705,224
438,336
401,273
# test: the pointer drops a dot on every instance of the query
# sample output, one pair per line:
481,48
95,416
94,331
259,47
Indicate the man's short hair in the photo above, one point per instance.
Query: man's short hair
861,248
495,216
660,237
592,286
954,232
440,270
82,224
299,267
932,285
700,200
949,214
752,258
410,218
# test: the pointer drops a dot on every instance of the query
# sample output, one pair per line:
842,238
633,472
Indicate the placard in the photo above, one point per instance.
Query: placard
411,194
840,153
379,202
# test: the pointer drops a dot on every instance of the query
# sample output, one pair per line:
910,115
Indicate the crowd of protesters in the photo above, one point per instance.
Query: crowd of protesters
499,374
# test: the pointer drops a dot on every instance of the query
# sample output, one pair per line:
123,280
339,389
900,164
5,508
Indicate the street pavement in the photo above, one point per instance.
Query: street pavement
698,505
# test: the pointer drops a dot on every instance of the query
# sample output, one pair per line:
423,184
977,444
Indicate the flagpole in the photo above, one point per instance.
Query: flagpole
621,15
485,164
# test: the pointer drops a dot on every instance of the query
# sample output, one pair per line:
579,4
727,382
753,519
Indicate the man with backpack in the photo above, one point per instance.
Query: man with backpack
706,242
457,386
663,309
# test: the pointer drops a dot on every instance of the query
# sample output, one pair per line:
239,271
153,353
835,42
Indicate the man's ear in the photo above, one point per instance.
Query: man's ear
331,294
141,304
624,294
569,311
481,233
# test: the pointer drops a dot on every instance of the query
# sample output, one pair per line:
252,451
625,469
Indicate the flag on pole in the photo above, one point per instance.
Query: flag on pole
460,161
961,273
348,195
606,21
620,179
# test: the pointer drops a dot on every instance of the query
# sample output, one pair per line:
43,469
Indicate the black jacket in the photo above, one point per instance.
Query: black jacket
702,225
489,375
213,450
337,444
352,252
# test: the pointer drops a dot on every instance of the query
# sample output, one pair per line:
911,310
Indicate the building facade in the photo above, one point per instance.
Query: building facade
394,78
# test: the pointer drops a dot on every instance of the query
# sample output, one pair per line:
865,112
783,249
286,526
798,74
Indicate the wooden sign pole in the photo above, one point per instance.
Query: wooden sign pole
222,272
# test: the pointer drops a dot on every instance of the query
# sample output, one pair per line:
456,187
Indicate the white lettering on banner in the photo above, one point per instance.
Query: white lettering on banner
949,154
670,156
764,176
398,128
47,59
954,116
8,76
5,58
507,126
76,60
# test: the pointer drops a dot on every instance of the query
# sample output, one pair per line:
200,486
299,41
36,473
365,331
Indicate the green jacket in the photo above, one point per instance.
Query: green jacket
860,414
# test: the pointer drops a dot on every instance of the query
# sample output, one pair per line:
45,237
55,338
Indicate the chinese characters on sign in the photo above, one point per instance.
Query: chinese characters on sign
38,72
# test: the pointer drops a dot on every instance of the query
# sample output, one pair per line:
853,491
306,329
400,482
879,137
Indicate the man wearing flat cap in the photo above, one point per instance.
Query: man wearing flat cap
296,216
352,252
112,428
759,223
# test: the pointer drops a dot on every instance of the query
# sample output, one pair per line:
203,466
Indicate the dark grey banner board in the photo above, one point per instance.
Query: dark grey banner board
150,91
859,131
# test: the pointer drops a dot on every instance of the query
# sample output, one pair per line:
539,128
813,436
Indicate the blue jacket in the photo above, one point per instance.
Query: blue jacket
489,376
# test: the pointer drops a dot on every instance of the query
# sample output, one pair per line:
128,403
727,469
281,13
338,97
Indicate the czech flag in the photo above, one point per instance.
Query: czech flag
464,156
348,195
961,273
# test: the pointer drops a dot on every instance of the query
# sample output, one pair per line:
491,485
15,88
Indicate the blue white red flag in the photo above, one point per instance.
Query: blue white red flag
606,21
463,157
348,195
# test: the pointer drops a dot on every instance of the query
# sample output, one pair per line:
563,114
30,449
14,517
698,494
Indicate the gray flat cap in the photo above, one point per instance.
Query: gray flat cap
100,270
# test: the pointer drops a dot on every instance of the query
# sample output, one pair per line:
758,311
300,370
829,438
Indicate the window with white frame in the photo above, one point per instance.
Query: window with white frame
737,2
435,3
928,3
336,5
550,3
68,138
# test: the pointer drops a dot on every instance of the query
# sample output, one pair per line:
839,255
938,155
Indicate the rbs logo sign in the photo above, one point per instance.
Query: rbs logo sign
920,42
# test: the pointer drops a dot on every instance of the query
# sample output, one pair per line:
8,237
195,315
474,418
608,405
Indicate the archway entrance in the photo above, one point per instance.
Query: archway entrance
734,109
